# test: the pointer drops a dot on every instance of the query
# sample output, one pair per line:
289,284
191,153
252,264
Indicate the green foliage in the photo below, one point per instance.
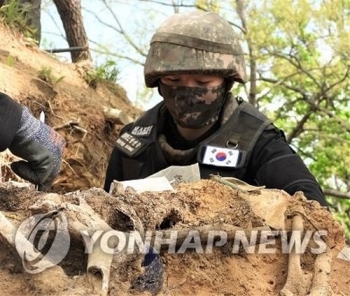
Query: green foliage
210,5
10,60
302,52
341,212
15,15
12,13
106,72
45,73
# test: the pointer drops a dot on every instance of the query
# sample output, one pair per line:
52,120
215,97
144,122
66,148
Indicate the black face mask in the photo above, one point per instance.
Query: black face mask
193,107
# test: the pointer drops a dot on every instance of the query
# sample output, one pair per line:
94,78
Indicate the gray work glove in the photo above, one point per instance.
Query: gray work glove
41,147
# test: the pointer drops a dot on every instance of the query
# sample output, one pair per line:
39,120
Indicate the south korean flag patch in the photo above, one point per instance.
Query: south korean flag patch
223,157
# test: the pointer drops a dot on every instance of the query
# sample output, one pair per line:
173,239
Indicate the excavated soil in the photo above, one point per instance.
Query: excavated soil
75,110
190,207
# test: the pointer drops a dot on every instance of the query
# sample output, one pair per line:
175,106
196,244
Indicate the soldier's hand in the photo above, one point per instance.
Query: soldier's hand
41,148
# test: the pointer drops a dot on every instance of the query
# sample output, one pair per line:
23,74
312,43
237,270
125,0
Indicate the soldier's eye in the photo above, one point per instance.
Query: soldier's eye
171,79
203,82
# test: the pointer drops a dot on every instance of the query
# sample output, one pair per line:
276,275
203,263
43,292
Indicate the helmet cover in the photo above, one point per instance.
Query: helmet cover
195,43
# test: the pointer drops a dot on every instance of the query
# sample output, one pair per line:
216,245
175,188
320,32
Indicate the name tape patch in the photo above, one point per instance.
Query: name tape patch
129,144
142,131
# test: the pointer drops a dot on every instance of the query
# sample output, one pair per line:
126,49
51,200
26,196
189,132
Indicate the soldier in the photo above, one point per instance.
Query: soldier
40,146
194,60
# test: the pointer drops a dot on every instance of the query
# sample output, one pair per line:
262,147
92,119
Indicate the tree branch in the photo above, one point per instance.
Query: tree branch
299,128
337,194
296,64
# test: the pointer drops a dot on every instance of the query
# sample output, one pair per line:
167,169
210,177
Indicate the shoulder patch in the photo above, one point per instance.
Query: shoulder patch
129,144
142,131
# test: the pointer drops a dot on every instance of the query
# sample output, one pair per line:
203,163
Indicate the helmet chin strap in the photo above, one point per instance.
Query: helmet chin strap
159,91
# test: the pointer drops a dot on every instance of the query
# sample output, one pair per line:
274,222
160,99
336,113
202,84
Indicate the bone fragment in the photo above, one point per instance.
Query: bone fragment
321,280
295,284
116,115
81,217
99,262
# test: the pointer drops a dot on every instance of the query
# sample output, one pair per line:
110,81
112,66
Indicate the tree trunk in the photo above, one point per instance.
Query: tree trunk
72,19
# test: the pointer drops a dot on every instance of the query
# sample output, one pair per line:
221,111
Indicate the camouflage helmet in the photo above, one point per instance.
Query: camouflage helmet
193,43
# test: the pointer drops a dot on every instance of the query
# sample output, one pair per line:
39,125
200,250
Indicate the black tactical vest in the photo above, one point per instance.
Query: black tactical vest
142,155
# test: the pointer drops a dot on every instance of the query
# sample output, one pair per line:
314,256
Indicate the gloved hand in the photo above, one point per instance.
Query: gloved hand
41,147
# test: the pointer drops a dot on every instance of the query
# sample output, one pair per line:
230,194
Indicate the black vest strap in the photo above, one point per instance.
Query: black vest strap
135,137
240,131
149,158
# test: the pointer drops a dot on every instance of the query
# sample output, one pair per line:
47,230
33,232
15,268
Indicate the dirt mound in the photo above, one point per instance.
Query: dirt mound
193,268
77,111
72,107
